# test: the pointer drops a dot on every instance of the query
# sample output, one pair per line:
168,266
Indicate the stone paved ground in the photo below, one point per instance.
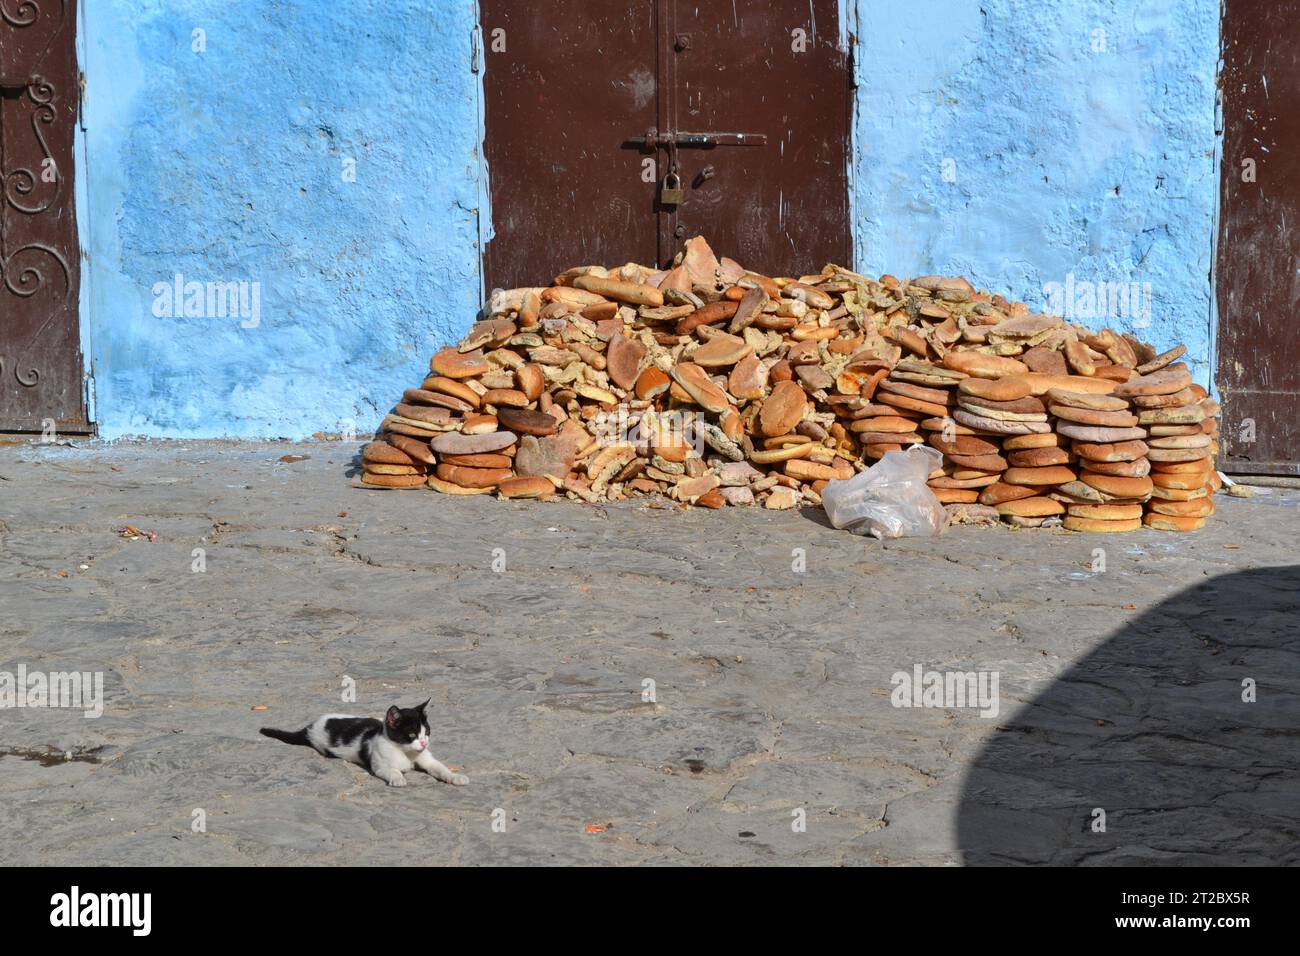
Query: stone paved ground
1118,689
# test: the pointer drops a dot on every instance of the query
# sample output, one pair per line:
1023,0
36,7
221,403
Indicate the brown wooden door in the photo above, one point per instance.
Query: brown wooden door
569,86
771,68
1257,268
566,82
41,370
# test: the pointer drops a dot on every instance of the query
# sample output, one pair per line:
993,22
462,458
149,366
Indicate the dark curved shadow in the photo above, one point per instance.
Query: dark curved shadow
1152,728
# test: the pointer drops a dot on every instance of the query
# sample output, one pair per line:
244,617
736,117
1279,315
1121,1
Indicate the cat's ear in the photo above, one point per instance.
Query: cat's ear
393,717
425,706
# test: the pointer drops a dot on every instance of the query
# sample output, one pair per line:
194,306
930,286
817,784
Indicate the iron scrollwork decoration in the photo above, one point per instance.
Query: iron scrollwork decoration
24,15
26,12
22,182
23,271
29,380
25,282
29,279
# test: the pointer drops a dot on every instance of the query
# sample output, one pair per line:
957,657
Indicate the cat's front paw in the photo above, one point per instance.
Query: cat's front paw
459,780
397,780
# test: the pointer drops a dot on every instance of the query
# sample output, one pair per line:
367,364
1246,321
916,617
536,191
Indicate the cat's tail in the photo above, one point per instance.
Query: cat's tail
298,737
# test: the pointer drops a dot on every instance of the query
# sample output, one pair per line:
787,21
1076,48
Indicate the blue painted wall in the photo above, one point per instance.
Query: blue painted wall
227,164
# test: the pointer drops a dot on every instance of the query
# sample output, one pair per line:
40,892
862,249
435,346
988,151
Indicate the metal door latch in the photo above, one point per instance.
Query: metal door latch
653,139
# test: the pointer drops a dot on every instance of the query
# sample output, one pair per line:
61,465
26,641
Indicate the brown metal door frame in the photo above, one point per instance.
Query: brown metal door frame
42,371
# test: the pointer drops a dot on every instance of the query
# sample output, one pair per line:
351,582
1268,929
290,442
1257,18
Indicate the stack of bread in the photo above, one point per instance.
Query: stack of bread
1111,458
1182,426
579,389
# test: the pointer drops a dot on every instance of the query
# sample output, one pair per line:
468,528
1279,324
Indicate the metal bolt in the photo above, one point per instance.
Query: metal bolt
682,43
680,231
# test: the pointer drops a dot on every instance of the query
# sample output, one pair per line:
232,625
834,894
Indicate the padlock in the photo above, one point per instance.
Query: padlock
672,193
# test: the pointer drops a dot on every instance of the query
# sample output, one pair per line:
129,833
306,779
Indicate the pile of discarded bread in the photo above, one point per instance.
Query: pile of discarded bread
714,386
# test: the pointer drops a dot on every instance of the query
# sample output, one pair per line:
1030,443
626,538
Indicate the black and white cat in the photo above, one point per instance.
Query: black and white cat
385,747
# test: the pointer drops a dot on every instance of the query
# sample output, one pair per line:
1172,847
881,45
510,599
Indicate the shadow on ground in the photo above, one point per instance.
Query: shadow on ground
1152,729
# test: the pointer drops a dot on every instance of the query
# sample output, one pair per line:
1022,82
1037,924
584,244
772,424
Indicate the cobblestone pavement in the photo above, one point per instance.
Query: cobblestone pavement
668,675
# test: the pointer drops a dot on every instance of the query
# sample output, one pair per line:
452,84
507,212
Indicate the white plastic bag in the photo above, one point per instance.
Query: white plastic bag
891,498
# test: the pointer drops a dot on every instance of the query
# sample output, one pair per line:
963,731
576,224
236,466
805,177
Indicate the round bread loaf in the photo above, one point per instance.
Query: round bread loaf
1173,522
999,492
956,496
1178,454
448,488
379,468
984,366
473,477
1000,427
935,396
384,453
479,425
909,404
1049,475
1090,416
1005,389
1196,467
414,447
1046,440
1041,384
1101,403
1039,457
1100,434
1110,451
951,481
1128,512
994,463
1196,508
1180,494
391,481
1123,469
488,460
962,445
1180,441
1184,482
1034,507
1117,485
525,487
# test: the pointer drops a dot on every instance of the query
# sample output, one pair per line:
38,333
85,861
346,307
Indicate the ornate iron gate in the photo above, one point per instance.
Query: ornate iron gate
41,369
